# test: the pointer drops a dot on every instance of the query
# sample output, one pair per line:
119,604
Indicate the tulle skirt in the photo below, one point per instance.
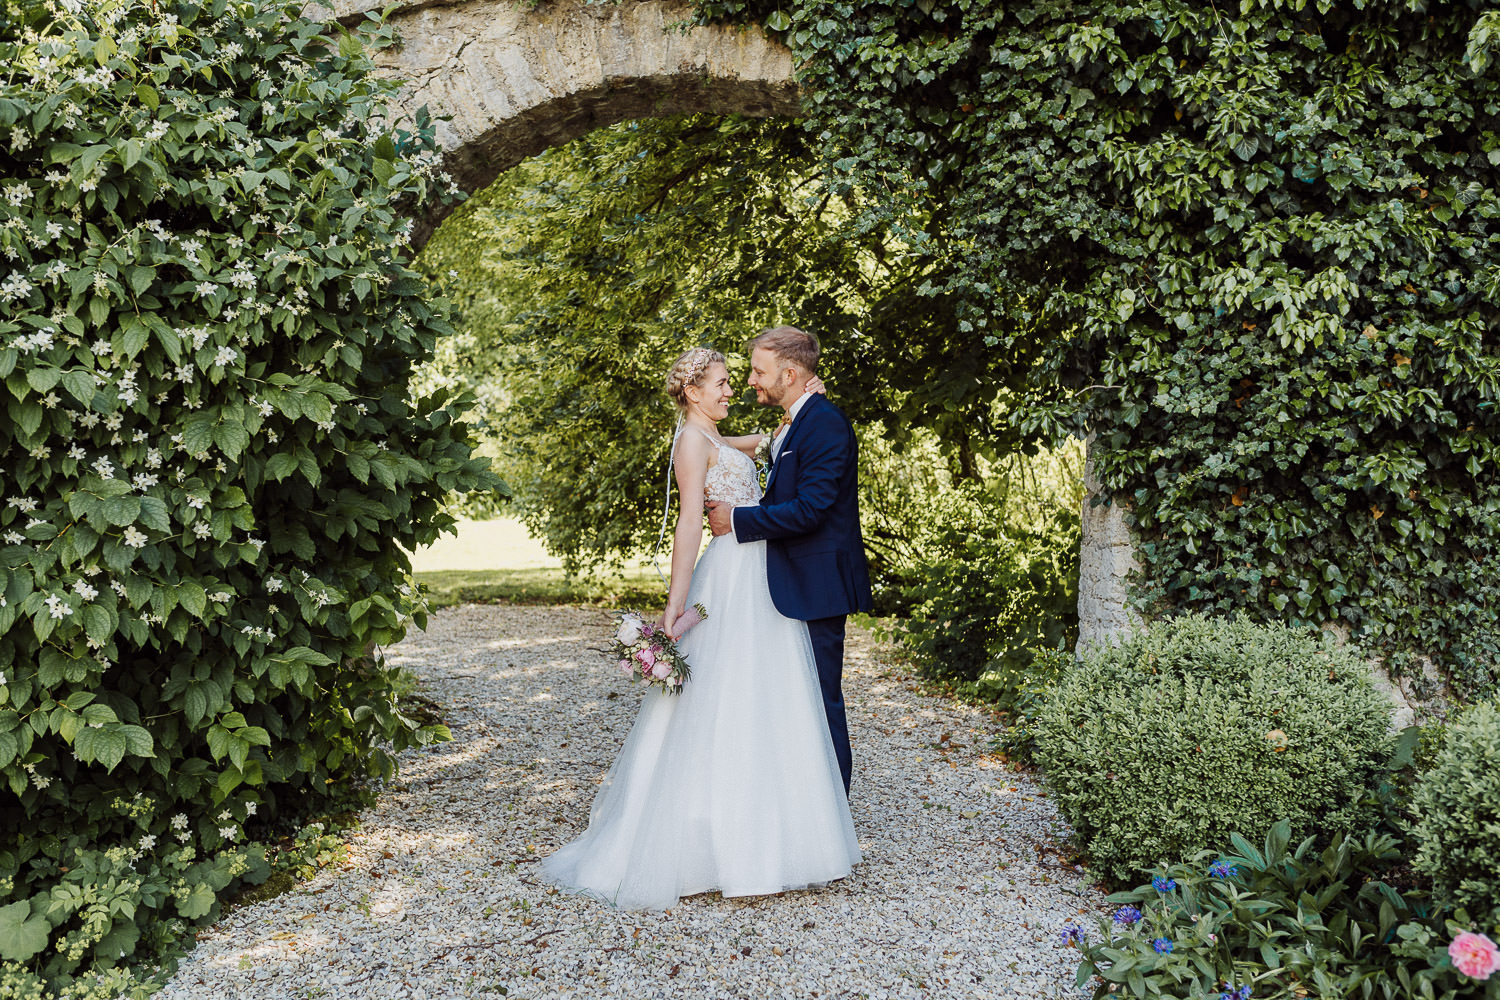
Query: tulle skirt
732,784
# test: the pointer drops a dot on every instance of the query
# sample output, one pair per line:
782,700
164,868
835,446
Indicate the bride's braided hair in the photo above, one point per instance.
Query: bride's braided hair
689,370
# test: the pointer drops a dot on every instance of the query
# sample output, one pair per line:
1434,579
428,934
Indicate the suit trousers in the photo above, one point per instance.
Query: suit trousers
827,636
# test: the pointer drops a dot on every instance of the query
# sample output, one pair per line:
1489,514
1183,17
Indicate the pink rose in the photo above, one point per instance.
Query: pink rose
1475,955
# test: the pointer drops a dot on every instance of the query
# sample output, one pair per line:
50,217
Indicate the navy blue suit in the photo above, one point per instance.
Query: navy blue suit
815,554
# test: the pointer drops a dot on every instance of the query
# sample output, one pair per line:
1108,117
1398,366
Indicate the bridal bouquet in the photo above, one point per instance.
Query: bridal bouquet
648,653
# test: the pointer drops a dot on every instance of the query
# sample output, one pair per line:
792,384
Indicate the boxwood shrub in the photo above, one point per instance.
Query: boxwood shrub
1195,727
1457,803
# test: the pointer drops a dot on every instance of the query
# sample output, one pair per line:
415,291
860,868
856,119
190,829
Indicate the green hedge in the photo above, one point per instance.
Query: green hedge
1194,728
1457,804
208,459
989,592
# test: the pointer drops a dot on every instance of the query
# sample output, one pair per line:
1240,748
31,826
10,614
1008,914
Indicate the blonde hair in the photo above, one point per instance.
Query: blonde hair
790,344
689,369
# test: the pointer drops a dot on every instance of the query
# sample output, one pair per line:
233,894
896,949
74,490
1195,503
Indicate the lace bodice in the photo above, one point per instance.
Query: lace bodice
733,478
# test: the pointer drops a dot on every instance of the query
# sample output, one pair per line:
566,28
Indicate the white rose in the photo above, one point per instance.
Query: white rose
630,630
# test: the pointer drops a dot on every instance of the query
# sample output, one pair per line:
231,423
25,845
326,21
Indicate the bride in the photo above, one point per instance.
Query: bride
731,784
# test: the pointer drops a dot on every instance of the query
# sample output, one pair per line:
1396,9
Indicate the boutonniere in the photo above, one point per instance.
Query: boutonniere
762,454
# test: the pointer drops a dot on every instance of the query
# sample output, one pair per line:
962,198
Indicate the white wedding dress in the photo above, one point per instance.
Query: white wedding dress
732,784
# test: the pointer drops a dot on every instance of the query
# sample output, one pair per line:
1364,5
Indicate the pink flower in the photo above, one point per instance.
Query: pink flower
626,668
661,670
647,658
1475,955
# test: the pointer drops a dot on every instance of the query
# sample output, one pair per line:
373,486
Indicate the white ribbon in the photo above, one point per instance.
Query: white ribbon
666,509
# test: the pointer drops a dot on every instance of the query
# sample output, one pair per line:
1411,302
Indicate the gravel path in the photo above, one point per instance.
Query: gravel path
961,893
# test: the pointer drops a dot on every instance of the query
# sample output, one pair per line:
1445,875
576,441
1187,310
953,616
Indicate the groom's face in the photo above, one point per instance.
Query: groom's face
770,377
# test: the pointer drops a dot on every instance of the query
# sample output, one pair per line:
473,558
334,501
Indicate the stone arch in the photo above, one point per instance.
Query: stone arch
519,78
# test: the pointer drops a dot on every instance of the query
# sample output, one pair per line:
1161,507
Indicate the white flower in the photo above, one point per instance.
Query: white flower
102,347
180,821
201,529
226,356
630,630
273,585
143,481
2,678
14,538
134,538
222,596
104,467
16,286
249,806
54,230
228,832
77,452
58,607
205,289
85,590
147,842
225,816
117,587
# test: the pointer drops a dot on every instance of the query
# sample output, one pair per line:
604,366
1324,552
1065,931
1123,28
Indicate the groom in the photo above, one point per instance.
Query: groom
809,517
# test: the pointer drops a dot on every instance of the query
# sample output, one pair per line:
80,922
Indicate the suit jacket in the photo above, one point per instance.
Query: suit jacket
815,554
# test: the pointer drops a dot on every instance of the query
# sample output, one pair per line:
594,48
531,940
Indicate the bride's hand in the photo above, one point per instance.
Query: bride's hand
668,619
816,385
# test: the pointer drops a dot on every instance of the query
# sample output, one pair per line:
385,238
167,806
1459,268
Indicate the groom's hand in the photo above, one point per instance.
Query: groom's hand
720,518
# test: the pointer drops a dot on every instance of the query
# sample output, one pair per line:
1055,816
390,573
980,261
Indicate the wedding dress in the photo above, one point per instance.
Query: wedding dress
732,784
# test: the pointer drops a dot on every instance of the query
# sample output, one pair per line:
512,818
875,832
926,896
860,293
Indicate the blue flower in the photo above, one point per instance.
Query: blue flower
1223,869
1127,915
1163,884
1163,946
1073,936
1230,993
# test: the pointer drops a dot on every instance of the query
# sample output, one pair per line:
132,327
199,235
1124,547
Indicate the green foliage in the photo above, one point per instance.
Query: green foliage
209,463
1253,246
1457,804
990,591
584,271
1289,922
1195,727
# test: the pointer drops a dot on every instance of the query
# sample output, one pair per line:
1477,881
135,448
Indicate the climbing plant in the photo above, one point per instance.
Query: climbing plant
209,461
1253,247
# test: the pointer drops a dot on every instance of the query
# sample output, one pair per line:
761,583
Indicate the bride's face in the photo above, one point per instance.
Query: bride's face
713,393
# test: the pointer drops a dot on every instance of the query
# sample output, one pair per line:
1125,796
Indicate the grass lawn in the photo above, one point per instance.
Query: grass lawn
497,560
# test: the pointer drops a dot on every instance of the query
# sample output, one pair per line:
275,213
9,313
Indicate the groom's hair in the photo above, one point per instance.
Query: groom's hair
790,344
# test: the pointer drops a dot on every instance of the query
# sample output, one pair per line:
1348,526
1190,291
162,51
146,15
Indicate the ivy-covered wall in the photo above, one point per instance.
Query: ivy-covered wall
1252,247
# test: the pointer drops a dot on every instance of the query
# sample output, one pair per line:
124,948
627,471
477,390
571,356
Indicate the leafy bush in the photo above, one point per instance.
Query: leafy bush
1457,803
1163,745
209,462
989,592
1277,922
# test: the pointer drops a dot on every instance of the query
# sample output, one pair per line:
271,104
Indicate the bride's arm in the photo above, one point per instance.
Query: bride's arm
746,442
691,466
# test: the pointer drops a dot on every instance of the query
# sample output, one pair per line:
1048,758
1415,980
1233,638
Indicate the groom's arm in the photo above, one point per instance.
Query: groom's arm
824,459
